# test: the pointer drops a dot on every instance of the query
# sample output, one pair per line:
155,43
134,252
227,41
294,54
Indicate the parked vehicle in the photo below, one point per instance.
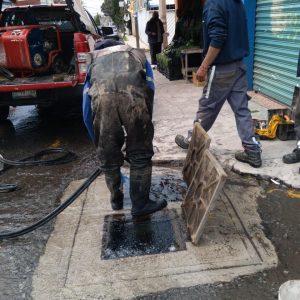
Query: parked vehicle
43,50
109,32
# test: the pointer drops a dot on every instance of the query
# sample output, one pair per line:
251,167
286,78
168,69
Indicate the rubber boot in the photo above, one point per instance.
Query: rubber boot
249,157
113,182
140,184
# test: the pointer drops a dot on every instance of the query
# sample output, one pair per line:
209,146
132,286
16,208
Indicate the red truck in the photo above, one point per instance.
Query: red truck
43,51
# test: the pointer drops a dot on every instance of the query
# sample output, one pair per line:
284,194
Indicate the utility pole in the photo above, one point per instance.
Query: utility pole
136,23
163,17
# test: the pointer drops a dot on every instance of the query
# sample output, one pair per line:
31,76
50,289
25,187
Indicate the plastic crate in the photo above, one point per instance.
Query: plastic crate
171,72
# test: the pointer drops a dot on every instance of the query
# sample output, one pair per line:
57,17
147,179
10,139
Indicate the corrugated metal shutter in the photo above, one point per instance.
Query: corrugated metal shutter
277,45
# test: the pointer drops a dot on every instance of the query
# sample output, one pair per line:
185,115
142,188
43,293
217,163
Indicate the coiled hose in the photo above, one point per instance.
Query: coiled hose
53,214
35,160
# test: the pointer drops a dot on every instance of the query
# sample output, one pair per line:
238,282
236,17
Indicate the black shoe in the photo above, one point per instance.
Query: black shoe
293,157
140,183
182,142
113,182
249,157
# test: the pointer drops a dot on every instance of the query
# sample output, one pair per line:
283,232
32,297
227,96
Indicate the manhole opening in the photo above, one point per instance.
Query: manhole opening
162,232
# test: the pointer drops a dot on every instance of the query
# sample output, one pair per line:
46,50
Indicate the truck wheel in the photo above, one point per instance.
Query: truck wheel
4,111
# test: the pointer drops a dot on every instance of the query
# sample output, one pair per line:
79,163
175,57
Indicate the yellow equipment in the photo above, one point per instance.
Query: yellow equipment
271,130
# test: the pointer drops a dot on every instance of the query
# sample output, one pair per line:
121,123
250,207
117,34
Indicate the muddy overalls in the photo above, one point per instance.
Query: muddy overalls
121,90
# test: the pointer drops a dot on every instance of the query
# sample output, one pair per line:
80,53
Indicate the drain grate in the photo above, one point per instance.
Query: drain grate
163,232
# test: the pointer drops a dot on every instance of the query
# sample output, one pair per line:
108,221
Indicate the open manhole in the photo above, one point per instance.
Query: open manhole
163,232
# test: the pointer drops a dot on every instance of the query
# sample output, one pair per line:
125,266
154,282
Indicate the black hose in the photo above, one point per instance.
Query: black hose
66,157
6,188
35,160
54,213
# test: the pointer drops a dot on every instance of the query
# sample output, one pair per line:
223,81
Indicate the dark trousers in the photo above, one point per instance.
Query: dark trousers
297,112
116,112
155,48
228,82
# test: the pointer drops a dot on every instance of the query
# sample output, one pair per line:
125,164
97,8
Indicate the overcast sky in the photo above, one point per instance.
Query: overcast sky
93,6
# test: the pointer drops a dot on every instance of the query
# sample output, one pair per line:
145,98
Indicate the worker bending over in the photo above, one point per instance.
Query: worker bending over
117,106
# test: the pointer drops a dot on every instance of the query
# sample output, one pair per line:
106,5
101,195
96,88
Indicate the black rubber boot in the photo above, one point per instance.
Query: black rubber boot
293,157
249,157
184,142
113,182
140,183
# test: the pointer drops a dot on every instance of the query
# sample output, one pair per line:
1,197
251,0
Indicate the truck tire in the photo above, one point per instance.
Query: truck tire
4,111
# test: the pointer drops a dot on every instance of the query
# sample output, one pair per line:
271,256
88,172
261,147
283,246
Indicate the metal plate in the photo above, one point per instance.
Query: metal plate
24,94
207,182
199,143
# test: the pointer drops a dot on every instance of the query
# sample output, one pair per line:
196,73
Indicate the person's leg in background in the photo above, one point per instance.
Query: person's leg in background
153,53
213,98
294,157
238,101
158,48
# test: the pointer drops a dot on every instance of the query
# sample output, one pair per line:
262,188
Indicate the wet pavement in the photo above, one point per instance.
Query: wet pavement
42,187
280,214
162,233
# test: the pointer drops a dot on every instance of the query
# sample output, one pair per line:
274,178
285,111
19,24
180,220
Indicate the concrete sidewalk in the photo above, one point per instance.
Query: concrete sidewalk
95,253
131,40
175,106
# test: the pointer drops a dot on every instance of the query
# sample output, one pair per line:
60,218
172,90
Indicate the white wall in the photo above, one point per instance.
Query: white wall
144,16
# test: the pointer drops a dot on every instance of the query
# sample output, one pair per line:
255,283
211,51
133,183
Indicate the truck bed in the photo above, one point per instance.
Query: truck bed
37,82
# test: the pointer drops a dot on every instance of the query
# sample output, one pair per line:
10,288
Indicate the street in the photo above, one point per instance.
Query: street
41,188
201,99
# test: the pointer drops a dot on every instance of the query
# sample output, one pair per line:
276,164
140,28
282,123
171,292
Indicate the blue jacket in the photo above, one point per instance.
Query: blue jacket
225,27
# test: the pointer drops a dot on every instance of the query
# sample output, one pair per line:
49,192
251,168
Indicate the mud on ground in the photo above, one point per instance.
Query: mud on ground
281,221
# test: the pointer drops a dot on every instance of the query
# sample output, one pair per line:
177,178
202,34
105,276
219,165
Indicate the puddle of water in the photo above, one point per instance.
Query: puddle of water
123,237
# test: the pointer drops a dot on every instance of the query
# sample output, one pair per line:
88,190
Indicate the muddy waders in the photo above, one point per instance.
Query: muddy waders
120,99
140,184
114,184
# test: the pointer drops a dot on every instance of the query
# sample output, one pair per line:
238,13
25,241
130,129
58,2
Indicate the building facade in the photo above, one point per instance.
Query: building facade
145,9
274,38
275,41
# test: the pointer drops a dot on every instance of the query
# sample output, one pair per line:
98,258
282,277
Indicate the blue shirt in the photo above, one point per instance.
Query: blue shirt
225,28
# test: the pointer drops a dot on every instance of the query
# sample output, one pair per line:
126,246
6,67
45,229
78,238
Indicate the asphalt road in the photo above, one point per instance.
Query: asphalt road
41,188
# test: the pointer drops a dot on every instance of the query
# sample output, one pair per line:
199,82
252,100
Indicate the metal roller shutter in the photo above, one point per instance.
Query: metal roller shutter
277,45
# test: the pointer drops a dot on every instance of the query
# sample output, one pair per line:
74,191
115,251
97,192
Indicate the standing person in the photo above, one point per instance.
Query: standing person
225,45
294,157
118,101
155,31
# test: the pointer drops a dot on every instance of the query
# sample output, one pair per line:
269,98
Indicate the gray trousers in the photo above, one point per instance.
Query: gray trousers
228,82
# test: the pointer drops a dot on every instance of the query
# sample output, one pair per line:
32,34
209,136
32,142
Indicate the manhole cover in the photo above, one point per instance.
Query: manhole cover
163,232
